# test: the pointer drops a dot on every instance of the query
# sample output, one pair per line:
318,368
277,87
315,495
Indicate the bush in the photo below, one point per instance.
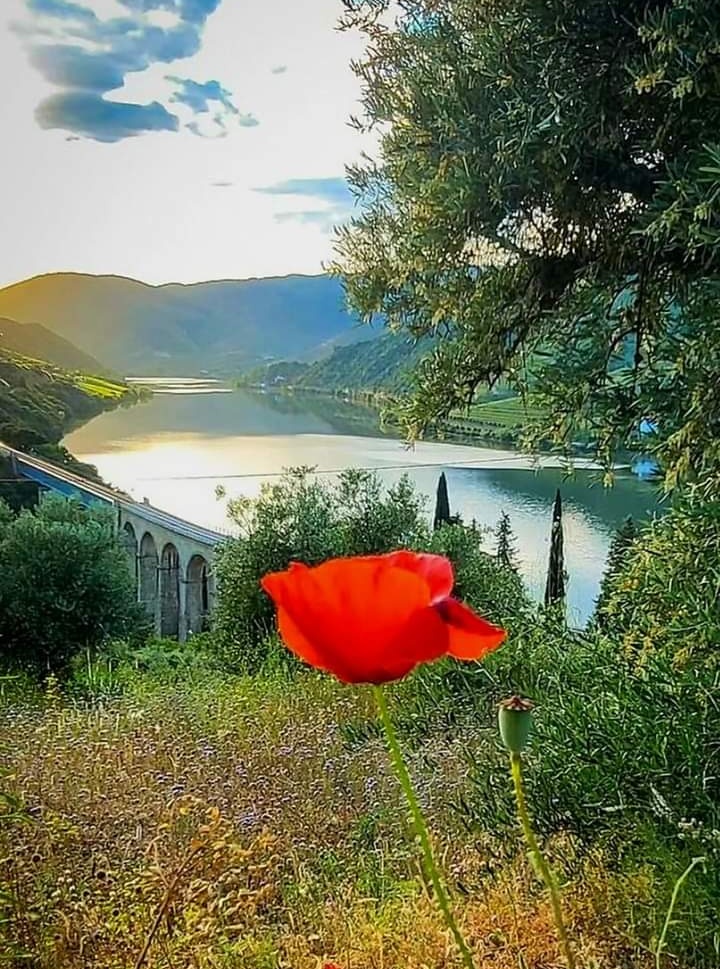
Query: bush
622,756
302,518
306,519
65,585
665,597
124,665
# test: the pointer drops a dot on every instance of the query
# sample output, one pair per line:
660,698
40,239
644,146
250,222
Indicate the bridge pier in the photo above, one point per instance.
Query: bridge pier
173,575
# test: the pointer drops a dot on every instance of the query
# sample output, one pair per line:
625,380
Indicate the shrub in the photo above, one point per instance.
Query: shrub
306,519
65,585
623,757
302,518
665,597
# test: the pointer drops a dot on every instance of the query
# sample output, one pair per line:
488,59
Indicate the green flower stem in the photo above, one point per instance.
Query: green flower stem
662,942
539,858
421,829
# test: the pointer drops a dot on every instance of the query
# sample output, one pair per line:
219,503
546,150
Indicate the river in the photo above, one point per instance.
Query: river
194,435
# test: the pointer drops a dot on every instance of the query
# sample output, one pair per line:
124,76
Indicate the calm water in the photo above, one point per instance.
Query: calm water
194,435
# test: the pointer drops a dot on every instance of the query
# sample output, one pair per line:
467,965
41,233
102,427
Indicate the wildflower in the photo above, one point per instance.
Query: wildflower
372,619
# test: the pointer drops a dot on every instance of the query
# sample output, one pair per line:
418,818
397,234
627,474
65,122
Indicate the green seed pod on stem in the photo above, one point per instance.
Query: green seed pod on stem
515,721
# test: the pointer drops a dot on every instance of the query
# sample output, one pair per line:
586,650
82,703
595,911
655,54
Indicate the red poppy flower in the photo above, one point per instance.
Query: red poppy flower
373,618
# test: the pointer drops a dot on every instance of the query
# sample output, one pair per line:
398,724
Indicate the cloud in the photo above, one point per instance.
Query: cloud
333,191
201,98
324,219
93,116
70,66
333,194
198,96
61,10
93,57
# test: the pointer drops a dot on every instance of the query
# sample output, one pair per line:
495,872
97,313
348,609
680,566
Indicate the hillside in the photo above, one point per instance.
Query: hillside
39,402
36,341
382,364
223,327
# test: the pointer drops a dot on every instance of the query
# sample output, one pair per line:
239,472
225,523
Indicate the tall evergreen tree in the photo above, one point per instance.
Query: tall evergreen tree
617,556
506,547
555,585
442,504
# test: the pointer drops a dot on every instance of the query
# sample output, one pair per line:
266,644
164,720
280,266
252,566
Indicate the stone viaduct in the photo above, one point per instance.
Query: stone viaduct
171,559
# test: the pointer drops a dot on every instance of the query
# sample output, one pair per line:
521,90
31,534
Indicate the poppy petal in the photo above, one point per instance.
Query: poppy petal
297,641
366,604
469,635
435,569
422,639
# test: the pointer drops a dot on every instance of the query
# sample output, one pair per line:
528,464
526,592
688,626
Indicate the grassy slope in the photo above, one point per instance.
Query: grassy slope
301,848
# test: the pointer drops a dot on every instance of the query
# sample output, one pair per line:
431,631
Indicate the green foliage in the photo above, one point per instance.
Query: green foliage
302,518
494,591
305,518
619,756
124,665
616,558
664,598
546,203
65,585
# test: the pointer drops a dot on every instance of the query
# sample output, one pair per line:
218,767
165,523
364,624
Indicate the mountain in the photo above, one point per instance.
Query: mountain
36,341
384,363
224,326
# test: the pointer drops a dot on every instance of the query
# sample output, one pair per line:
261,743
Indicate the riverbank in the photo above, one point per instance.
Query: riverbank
41,403
495,420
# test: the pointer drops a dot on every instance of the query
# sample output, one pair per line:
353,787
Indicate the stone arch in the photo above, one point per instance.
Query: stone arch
128,540
198,595
148,574
170,592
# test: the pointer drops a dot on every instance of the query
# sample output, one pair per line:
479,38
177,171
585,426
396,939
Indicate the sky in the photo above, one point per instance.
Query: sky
173,140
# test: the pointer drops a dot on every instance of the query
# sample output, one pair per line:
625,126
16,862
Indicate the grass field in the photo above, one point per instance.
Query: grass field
256,825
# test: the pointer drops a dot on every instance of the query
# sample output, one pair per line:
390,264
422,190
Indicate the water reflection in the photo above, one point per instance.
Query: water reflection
177,447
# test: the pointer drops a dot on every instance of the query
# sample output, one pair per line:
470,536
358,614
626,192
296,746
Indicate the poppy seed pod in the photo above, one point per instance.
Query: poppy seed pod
515,721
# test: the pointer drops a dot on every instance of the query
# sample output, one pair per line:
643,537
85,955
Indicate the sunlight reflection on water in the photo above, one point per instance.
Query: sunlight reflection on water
196,434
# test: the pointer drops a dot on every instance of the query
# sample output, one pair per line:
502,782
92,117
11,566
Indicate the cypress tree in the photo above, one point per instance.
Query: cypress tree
442,504
555,585
505,549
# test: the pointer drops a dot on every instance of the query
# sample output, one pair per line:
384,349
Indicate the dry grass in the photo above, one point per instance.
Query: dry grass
232,824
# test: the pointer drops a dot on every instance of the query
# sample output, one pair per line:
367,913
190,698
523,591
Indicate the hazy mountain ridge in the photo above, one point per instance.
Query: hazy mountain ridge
223,326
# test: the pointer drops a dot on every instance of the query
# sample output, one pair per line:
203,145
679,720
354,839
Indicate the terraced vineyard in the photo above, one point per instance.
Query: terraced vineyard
503,420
